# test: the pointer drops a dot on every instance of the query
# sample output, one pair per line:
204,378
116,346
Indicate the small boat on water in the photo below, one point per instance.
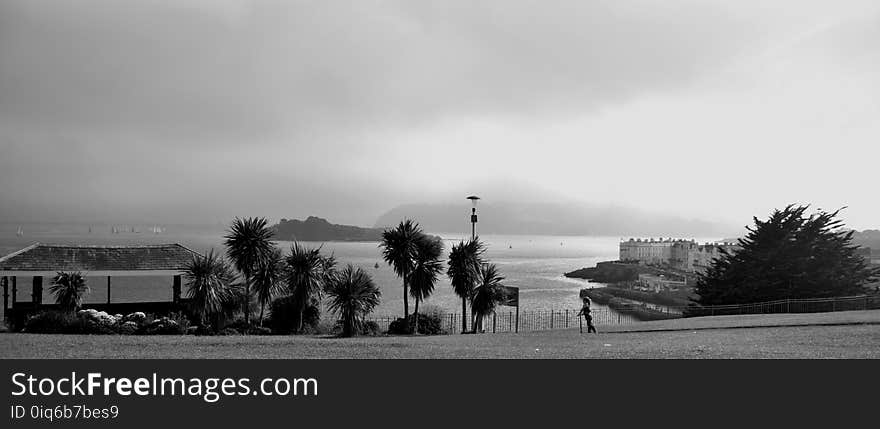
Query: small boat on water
19,233
376,266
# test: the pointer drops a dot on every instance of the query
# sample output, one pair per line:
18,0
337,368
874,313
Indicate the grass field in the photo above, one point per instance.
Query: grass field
821,335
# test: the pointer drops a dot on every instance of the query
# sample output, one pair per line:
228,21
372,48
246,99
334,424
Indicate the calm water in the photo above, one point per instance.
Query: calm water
535,264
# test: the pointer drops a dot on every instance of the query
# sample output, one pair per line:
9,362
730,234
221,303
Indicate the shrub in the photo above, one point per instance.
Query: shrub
367,329
163,326
54,322
282,316
429,324
239,327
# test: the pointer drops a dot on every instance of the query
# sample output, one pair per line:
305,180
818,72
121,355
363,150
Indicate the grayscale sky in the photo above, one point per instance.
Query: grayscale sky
185,110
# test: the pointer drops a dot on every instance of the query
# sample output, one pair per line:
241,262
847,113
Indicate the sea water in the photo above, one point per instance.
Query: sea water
533,263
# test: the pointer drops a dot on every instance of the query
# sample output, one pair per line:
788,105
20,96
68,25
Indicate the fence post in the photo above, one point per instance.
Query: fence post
566,318
581,324
551,318
618,318
494,317
517,319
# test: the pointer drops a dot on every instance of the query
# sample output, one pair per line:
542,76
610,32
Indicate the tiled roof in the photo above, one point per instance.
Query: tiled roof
62,257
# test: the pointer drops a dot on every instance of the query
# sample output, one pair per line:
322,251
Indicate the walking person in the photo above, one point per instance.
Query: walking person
585,311
590,327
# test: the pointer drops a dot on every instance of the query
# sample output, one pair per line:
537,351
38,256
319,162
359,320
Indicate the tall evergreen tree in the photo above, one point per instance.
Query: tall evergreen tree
790,255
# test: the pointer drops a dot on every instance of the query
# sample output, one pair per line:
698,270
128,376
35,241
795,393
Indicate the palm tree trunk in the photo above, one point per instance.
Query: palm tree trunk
416,330
405,297
262,307
247,300
463,315
473,320
300,310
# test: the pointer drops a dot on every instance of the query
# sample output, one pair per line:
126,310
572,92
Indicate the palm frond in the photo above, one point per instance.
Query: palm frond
209,281
353,295
248,243
69,289
465,262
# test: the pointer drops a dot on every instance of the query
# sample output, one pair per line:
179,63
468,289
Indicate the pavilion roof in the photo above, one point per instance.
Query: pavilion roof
154,259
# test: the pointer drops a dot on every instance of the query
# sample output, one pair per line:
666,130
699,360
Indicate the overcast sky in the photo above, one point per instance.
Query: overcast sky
158,111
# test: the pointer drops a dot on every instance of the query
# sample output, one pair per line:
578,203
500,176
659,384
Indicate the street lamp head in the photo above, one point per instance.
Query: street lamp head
473,199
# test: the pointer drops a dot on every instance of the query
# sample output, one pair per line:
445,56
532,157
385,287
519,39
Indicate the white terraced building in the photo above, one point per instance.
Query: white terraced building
684,255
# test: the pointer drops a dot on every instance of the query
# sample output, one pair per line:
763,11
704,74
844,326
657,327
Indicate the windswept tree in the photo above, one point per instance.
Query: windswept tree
486,294
305,273
248,244
208,280
426,269
398,249
790,255
353,295
465,263
69,289
268,279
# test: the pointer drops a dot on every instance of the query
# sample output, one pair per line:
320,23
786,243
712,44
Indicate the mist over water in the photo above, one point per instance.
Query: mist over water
533,263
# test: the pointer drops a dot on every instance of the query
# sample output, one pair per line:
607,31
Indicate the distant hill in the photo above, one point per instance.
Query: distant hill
868,238
552,219
318,229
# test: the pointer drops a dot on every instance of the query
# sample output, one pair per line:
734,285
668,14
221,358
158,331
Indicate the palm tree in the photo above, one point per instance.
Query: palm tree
426,268
208,281
353,295
465,262
69,289
398,248
269,279
485,294
305,274
248,244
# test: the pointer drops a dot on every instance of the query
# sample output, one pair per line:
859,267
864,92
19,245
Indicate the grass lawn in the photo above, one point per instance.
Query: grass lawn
822,335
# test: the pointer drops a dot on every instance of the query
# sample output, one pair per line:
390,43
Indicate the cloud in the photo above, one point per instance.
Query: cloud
353,107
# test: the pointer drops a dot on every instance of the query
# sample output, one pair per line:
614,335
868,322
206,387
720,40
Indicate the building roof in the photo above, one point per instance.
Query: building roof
47,259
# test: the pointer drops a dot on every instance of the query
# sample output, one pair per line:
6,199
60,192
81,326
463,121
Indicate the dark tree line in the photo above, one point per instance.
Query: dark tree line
791,255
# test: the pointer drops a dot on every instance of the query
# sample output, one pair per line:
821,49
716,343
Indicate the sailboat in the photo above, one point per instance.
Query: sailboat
19,233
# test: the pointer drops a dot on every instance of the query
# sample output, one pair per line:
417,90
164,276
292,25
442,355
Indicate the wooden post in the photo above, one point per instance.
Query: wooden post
581,324
551,318
566,318
175,290
494,319
108,290
14,291
37,290
517,319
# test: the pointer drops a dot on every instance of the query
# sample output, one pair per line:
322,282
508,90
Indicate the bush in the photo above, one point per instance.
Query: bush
163,326
239,327
282,316
429,324
54,322
368,329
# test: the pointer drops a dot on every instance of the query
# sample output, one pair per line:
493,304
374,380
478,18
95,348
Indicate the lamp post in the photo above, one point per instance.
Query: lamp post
474,200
